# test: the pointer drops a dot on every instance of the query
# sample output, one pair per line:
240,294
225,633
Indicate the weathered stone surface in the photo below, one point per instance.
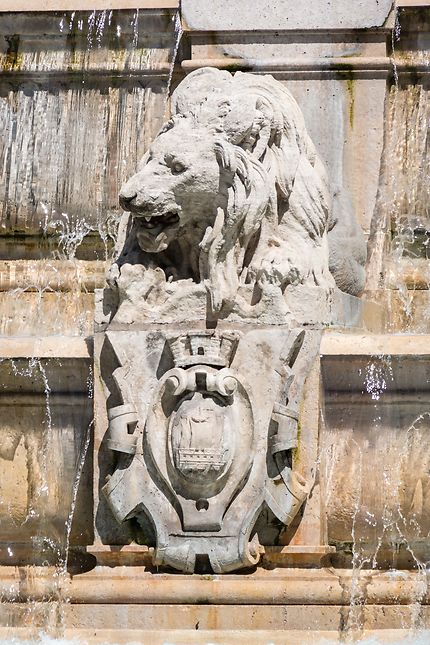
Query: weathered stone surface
377,412
340,88
284,14
46,347
229,219
204,441
43,313
251,210
238,636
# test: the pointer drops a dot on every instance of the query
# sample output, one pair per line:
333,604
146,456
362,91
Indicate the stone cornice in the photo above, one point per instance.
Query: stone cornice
82,5
347,66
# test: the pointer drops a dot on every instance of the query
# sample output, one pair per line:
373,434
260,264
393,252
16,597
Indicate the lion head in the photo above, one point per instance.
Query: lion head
173,187
231,191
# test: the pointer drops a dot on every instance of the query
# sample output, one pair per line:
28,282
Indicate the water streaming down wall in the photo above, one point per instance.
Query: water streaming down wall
86,84
81,95
375,454
399,243
405,200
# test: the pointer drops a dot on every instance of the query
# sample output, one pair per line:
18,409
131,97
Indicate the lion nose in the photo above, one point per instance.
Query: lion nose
126,199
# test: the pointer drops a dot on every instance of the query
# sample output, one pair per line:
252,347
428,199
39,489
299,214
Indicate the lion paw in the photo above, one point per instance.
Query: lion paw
277,273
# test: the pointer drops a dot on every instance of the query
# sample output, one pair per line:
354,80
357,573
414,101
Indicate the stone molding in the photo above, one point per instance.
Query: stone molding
46,347
52,275
134,585
353,66
333,343
82,5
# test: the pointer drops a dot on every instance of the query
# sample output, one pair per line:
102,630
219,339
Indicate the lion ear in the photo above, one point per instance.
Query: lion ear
225,155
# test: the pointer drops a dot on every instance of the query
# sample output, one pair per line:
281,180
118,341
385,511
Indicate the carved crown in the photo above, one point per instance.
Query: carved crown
204,348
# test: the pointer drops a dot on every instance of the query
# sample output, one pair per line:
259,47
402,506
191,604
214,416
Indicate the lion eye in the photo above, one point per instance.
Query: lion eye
178,167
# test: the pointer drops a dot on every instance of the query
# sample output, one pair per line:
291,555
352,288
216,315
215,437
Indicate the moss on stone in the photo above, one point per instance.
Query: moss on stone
12,61
350,90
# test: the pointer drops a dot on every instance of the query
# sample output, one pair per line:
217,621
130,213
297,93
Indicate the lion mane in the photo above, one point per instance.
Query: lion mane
264,219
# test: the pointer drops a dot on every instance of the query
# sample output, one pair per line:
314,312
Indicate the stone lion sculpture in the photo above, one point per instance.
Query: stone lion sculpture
226,264
232,195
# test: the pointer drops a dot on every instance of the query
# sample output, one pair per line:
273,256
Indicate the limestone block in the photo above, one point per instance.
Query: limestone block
292,52
344,116
42,297
284,14
43,313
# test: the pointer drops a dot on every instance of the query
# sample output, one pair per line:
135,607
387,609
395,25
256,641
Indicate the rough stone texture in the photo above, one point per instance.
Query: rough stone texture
205,441
285,14
140,586
346,125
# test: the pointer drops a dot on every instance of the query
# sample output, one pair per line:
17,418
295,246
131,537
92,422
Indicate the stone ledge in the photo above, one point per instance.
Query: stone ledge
52,275
295,586
338,63
295,555
373,67
216,619
333,344
211,636
121,555
135,585
83,5
345,344
93,75
273,556
285,14
46,347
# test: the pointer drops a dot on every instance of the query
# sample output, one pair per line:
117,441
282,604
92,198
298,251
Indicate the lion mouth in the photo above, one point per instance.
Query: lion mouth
155,224
155,221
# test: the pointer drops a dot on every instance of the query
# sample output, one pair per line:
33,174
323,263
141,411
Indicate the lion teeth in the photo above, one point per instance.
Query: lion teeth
147,219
